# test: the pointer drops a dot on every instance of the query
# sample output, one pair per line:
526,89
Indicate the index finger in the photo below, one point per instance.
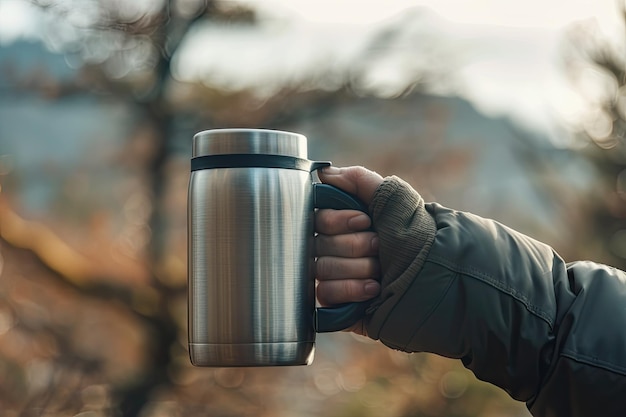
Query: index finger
336,222
356,180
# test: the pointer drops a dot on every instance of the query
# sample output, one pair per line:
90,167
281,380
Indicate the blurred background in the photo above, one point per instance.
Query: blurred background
511,110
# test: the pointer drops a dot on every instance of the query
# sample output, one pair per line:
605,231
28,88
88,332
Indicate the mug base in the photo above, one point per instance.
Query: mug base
251,354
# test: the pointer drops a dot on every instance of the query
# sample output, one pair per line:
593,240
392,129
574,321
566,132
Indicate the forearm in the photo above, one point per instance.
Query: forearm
469,288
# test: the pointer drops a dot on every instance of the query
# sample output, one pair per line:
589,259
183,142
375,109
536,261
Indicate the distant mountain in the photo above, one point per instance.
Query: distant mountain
22,58
47,139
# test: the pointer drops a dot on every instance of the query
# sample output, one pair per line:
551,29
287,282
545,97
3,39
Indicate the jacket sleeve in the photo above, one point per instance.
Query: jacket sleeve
549,333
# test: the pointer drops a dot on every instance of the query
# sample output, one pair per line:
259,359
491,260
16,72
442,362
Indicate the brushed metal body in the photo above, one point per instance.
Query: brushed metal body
251,283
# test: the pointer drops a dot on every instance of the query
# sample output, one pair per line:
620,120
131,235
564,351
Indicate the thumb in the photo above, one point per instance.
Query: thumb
356,180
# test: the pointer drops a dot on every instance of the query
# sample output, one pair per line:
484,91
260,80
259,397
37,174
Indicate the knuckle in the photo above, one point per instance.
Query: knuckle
351,292
331,292
324,267
360,245
323,220
322,245
330,221
355,245
337,292
359,171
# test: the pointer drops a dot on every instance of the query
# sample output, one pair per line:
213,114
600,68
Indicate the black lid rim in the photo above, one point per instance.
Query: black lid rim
199,163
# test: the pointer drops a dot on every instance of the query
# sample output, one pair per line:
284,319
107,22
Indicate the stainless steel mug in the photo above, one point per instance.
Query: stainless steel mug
251,280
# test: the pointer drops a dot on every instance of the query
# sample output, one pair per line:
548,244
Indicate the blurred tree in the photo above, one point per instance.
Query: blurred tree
124,50
597,67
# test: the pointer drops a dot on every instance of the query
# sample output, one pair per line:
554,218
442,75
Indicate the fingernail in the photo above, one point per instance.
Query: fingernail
331,170
359,222
372,288
375,242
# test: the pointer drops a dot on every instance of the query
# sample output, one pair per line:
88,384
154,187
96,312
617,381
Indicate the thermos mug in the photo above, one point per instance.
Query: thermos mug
251,285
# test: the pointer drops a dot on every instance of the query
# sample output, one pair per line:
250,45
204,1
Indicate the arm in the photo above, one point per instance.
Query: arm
550,334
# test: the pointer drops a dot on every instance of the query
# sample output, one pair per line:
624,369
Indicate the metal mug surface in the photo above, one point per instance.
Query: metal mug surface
251,289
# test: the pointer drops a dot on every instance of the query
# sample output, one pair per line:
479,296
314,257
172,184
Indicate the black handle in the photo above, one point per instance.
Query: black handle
333,319
330,197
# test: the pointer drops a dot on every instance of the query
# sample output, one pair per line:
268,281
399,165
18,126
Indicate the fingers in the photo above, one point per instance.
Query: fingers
347,290
356,180
352,245
337,268
334,222
347,267
341,234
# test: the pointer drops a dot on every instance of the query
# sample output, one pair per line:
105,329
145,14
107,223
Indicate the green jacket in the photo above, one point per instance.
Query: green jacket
549,333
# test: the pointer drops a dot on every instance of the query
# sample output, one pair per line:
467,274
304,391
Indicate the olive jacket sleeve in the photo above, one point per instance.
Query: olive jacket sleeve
551,334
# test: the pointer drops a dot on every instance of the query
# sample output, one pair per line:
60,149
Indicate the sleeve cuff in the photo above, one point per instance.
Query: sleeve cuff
406,232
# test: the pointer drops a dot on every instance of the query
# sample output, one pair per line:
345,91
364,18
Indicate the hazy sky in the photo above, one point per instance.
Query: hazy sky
528,13
507,51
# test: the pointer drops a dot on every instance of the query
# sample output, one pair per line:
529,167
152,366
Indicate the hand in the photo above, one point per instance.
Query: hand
347,267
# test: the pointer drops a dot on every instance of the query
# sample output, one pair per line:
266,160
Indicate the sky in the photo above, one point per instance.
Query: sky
508,53
529,13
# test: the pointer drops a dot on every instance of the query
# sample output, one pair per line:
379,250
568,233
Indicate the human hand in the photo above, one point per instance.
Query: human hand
347,267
